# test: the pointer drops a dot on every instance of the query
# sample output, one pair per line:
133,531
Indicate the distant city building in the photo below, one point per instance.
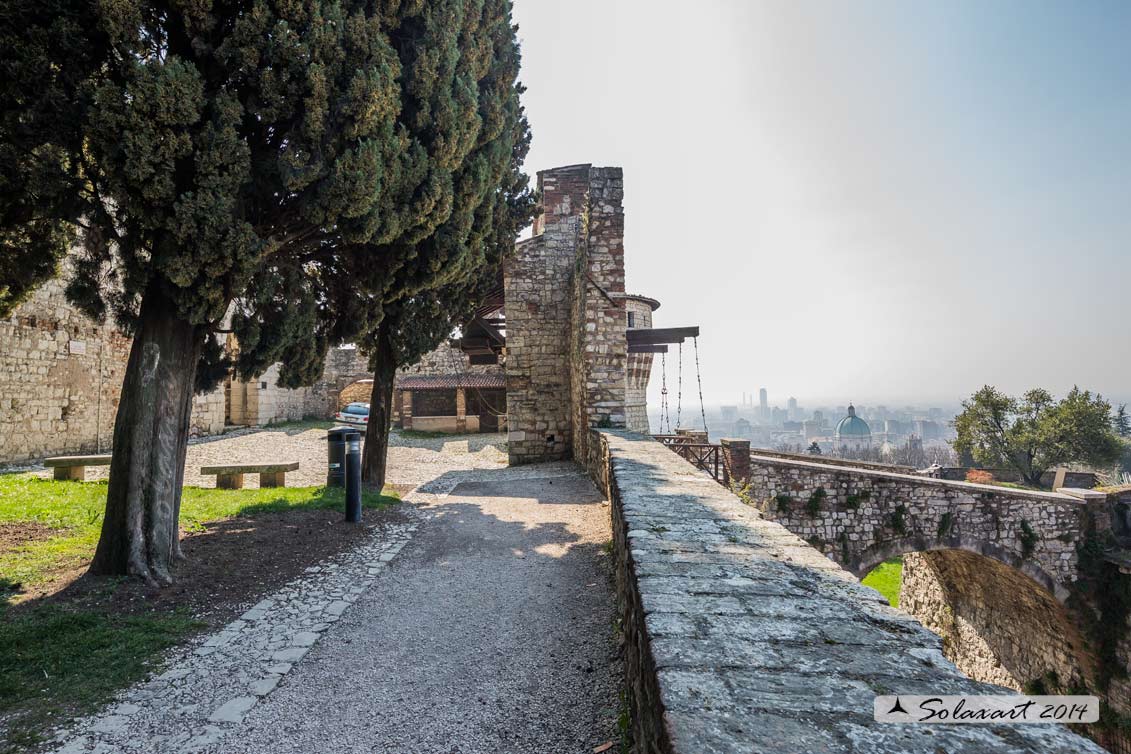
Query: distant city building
792,408
813,429
763,404
853,432
729,413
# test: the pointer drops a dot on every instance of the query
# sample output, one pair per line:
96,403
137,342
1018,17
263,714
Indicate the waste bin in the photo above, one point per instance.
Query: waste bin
336,455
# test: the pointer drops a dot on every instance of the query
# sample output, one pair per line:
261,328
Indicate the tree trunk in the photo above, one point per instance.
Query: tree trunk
376,450
140,533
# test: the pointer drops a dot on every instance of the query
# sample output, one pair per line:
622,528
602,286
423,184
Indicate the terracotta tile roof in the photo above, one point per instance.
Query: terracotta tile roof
449,381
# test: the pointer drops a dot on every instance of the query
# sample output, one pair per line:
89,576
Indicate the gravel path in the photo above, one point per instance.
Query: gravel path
492,632
483,623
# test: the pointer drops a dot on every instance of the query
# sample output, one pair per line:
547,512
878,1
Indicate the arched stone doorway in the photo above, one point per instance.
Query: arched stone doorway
355,392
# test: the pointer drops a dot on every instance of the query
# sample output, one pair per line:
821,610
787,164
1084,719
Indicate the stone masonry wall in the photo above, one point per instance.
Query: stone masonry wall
741,638
566,348
600,350
536,286
862,517
60,380
448,360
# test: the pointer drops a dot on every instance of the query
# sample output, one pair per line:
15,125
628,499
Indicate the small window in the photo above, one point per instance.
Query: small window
632,319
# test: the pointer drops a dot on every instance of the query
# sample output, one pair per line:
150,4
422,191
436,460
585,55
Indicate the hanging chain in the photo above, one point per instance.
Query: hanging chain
679,390
699,379
664,413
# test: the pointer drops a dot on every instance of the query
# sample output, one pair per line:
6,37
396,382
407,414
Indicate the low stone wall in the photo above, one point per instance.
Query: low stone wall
739,637
831,461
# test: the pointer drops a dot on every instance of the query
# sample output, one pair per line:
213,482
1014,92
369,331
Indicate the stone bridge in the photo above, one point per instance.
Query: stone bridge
860,517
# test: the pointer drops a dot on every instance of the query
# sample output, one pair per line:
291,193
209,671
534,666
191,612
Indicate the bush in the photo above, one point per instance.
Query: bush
783,501
814,504
979,476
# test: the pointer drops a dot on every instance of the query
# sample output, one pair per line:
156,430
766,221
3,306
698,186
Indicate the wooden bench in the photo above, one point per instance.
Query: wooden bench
74,467
230,477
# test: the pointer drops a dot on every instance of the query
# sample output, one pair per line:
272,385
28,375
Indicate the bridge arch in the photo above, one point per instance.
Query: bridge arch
865,560
998,624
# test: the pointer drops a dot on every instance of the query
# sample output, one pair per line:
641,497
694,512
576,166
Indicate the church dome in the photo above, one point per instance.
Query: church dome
852,425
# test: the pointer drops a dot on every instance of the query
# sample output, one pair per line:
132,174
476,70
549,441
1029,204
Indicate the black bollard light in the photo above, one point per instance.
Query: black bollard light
353,476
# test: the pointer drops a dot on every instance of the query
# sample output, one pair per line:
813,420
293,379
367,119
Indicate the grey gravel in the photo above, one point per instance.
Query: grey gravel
491,632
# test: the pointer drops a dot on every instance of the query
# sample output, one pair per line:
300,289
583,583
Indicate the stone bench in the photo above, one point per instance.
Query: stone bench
74,467
230,476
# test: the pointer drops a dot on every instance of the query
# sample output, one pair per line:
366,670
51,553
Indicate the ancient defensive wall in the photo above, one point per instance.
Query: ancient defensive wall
742,637
1028,589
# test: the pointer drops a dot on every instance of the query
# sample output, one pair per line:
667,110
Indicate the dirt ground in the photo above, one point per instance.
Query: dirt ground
228,565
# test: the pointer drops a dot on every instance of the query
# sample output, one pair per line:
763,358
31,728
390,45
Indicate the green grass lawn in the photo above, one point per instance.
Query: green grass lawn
886,578
61,660
73,511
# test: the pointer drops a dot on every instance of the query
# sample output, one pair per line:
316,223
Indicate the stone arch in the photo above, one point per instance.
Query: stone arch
864,561
998,623
358,391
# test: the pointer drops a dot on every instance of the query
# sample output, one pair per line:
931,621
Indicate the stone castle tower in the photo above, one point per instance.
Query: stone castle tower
567,362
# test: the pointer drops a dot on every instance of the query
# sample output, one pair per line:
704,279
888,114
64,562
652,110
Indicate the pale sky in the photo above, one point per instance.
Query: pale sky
875,201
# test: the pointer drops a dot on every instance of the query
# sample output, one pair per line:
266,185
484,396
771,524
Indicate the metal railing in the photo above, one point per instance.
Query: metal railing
705,456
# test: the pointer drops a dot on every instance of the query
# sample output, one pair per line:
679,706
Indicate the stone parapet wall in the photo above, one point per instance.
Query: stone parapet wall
740,637
829,461
860,517
1083,479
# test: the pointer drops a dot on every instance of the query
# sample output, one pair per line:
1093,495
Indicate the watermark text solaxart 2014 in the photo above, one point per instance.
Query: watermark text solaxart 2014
908,708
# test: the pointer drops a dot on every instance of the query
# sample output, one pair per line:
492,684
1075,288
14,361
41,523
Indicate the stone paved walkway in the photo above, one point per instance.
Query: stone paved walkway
482,625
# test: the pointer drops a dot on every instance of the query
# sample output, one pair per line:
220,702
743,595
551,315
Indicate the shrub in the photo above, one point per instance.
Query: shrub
898,519
978,476
783,501
1028,539
814,504
945,524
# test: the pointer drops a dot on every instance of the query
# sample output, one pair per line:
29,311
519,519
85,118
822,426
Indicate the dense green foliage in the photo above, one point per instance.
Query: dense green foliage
51,50
1036,432
265,153
1120,422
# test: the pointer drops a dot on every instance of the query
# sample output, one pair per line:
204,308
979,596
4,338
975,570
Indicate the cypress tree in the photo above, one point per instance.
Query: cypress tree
233,162
438,283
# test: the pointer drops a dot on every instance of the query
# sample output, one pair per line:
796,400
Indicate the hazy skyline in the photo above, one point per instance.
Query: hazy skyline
879,202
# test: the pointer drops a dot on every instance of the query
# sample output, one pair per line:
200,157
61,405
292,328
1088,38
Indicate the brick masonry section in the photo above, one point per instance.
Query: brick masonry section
740,637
